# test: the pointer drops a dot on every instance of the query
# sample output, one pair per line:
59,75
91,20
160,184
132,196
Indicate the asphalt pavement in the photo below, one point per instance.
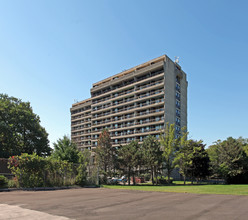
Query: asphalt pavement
100,203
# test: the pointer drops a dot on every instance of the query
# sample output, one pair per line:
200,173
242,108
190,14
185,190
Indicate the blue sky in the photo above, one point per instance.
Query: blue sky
51,52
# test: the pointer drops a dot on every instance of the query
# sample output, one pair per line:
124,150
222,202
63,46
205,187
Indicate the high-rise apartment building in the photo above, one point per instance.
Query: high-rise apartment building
132,104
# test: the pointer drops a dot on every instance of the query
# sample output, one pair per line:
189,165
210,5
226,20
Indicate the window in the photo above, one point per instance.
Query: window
178,121
177,104
178,87
178,95
178,80
177,113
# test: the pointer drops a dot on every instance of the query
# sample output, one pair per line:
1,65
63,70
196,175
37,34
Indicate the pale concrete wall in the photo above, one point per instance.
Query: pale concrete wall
184,95
170,93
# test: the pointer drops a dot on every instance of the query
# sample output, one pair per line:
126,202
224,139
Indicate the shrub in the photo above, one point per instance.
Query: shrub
13,183
164,180
58,173
28,169
3,181
147,176
81,178
34,171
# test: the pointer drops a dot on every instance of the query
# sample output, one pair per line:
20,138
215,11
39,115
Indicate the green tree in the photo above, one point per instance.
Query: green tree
244,142
84,160
184,156
128,157
105,154
20,129
199,167
232,160
170,145
215,163
32,170
65,149
152,155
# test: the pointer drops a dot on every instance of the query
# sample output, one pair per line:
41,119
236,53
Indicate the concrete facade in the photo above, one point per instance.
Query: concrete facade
132,104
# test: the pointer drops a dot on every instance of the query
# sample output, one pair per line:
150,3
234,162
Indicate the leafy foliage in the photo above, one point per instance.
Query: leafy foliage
66,150
129,157
152,155
105,154
231,158
164,180
84,159
20,129
3,181
170,145
28,169
35,171
184,157
199,168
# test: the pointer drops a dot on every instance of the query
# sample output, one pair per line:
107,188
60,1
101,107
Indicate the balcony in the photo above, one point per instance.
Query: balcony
137,116
130,126
129,109
127,86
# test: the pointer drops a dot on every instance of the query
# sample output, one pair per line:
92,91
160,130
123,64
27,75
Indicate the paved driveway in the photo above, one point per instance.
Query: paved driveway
119,204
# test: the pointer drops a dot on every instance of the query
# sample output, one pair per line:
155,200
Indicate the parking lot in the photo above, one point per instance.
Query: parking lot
100,203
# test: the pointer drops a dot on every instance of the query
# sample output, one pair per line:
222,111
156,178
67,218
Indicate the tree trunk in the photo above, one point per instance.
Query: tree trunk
184,180
134,182
156,176
152,176
169,174
129,176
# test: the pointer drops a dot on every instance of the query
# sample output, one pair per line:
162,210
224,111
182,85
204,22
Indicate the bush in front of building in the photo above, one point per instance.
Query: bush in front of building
31,170
3,181
164,180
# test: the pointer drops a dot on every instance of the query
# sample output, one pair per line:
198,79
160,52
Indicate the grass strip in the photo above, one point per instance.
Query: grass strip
197,189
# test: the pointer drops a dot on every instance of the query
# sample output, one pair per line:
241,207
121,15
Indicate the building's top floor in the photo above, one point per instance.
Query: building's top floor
152,65
130,71
84,103
128,74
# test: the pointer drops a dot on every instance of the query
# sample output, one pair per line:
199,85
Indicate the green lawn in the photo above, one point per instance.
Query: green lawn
199,189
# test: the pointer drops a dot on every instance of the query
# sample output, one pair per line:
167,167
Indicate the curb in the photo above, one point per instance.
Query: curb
36,189
45,188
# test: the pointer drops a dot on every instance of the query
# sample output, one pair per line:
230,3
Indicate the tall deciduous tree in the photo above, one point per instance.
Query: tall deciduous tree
215,163
64,149
83,160
152,155
232,160
105,154
199,167
128,157
170,145
184,156
20,129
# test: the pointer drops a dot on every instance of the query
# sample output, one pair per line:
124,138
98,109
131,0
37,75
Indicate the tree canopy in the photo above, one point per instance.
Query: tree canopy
64,149
20,129
105,154
229,160
129,158
170,145
152,155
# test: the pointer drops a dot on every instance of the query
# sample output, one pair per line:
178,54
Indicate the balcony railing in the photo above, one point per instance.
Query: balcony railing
135,83
129,108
